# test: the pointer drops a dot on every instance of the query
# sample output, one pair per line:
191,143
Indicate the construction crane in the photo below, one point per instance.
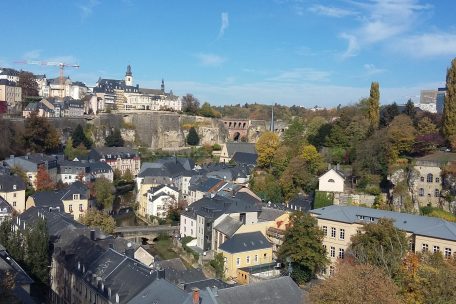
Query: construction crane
61,66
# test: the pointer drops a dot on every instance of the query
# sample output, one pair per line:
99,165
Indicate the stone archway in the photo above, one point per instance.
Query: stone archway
237,136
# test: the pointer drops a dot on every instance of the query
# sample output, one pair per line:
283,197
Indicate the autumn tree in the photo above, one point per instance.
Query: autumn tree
401,135
190,104
380,244
266,147
449,109
410,109
39,135
207,111
388,113
43,181
296,178
266,187
426,126
10,137
114,139
303,245
358,283
312,158
374,105
104,192
28,85
192,137
295,136
97,219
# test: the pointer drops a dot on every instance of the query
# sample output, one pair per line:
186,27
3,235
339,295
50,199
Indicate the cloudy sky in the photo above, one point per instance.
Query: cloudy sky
227,52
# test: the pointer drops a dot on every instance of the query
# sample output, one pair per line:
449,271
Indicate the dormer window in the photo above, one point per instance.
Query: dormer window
14,187
75,197
117,298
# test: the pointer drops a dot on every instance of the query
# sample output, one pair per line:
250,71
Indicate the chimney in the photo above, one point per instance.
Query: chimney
215,291
130,252
160,274
92,235
196,295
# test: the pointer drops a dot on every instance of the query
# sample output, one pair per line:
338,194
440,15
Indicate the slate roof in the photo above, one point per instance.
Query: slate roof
5,207
174,264
7,263
206,185
245,158
203,284
54,199
240,147
29,162
7,82
228,226
245,242
273,291
419,225
301,203
269,214
340,173
9,72
169,168
161,292
184,276
8,183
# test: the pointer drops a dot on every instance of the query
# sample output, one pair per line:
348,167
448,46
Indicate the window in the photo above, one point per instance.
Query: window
333,232
238,261
247,260
437,180
342,234
422,178
256,258
436,249
436,193
331,270
421,192
14,194
75,196
425,248
325,230
411,246
429,178
324,247
330,180
372,219
14,204
80,207
14,188
341,253
332,252
448,252
70,207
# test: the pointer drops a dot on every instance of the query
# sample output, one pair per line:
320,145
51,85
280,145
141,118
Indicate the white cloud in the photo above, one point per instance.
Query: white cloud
87,8
353,45
371,69
428,45
302,74
210,59
331,11
224,25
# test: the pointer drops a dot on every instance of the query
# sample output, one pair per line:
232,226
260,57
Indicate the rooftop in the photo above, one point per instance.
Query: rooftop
245,242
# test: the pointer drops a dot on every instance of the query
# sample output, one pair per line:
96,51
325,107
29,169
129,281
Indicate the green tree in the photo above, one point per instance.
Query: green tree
356,284
297,177
267,187
97,219
104,192
303,245
190,104
114,139
281,159
381,244
426,126
388,113
37,248
295,136
374,105
79,137
218,263
71,153
39,135
28,85
410,109
401,134
207,111
266,147
128,176
313,159
192,137
449,109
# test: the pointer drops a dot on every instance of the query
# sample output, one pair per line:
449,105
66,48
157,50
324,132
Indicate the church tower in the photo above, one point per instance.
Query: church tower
163,86
128,77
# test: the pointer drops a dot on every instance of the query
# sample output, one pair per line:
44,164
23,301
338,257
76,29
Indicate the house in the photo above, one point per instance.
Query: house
12,189
238,174
427,178
120,158
6,211
244,250
11,93
9,74
339,223
71,171
229,149
200,218
160,199
245,158
30,164
73,108
199,187
258,273
331,181
73,200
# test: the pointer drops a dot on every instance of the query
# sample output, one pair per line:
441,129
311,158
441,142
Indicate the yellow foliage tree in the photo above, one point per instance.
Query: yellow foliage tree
266,147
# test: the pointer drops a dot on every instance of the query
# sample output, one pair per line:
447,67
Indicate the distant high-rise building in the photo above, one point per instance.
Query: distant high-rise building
428,101
441,93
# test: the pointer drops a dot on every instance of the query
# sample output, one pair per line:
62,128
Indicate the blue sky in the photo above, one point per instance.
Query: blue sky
226,52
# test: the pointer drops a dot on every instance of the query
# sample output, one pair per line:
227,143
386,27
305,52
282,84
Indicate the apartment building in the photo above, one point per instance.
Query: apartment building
120,158
340,223
30,164
12,189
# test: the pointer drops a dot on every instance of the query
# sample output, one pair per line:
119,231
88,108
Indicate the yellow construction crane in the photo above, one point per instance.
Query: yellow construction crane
61,66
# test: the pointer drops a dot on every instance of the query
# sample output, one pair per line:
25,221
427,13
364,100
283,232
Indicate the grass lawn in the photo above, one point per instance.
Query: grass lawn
163,249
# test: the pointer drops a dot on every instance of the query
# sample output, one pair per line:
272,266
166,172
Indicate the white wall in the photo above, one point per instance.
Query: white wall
331,181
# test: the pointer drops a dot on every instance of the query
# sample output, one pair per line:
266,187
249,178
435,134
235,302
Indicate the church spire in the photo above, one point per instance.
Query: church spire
163,86
128,73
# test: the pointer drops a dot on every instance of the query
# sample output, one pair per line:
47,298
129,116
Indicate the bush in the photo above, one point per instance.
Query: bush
323,199
436,212
216,147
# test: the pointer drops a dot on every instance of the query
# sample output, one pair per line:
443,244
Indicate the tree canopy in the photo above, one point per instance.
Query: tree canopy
97,219
192,137
104,190
374,105
303,245
28,84
79,137
266,146
114,139
190,104
449,109
39,135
